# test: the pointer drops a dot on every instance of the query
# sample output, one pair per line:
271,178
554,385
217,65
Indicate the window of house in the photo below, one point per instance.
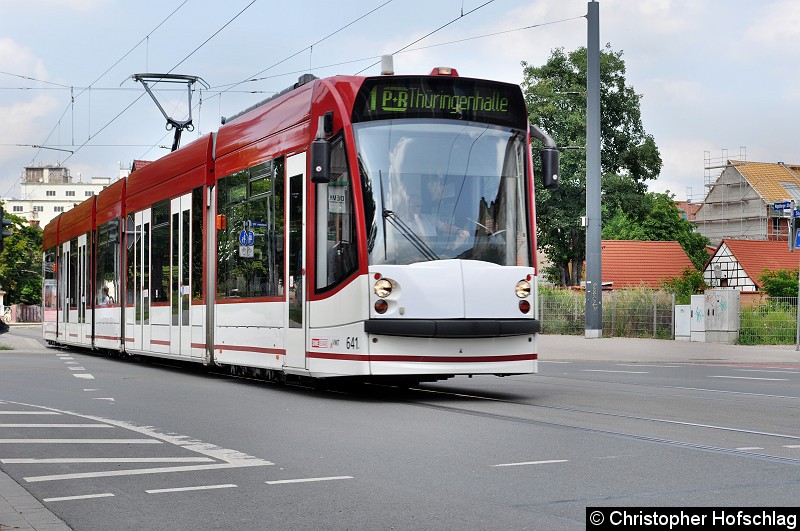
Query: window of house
70,193
17,208
38,208
50,193
88,193
58,209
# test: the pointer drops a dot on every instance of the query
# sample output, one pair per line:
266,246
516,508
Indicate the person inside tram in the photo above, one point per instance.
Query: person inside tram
425,224
105,298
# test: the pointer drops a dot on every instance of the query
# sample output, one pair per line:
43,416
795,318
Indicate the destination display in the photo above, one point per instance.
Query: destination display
453,98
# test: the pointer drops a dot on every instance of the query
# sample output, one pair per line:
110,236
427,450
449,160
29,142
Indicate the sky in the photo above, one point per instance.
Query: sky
718,78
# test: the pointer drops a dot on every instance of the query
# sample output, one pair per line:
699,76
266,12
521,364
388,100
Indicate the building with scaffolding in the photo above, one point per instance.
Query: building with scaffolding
740,195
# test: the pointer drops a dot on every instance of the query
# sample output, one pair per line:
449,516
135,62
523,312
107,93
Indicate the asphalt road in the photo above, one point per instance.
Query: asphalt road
111,444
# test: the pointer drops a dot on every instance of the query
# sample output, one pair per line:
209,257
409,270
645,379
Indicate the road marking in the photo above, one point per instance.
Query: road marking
750,448
184,489
71,363
84,497
644,365
791,445
752,378
77,368
306,480
85,376
29,413
55,426
765,370
72,460
109,399
79,441
624,372
535,462
134,472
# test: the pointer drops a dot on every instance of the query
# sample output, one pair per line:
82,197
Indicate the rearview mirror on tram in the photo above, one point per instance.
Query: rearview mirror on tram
550,167
320,161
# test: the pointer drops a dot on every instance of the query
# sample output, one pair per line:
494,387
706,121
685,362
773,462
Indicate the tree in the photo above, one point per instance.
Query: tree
21,264
629,156
779,283
690,282
662,222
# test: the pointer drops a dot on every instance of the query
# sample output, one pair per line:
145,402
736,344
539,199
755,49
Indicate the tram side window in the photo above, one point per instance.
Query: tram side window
107,279
250,241
159,269
341,234
73,275
197,243
50,267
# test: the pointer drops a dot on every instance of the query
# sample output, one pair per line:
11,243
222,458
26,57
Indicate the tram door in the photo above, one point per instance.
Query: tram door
83,278
137,326
180,276
295,238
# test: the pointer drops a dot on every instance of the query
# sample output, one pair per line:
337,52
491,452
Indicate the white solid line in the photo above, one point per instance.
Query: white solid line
752,378
133,472
91,389
29,413
791,445
306,480
85,376
765,370
184,489
84,497
750,448
535,462
58,460
80,441
624,372
56,426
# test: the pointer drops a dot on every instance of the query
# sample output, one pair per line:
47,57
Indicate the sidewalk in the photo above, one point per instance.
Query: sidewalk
634,350
18,508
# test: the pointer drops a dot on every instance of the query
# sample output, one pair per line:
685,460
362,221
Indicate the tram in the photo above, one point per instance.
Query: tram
347,227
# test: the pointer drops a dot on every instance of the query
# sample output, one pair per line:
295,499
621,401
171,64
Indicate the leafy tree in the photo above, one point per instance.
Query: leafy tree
21,264
779,283
663,222
555,93
690,282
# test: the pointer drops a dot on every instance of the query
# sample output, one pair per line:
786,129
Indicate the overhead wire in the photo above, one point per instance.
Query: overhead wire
405,49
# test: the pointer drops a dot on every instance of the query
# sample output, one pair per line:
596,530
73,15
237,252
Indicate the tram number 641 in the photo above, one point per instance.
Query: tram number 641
351,343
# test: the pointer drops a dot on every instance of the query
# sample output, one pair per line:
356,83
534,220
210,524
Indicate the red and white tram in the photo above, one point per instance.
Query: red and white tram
349,226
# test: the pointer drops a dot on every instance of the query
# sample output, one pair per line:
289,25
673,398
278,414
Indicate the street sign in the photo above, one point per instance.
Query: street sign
783,205
247,237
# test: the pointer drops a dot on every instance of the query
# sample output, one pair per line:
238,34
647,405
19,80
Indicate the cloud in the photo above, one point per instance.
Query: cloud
21,124
778,24
19,60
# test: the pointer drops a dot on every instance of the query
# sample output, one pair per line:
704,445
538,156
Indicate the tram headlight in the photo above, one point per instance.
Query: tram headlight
523,289
383,288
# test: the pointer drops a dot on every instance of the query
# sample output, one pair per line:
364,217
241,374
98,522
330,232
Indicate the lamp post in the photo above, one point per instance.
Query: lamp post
594,287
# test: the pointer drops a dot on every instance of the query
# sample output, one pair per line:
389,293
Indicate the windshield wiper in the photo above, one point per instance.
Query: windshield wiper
418,243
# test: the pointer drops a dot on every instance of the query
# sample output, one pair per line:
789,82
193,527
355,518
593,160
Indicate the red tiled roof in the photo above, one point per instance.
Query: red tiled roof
628,263
754,256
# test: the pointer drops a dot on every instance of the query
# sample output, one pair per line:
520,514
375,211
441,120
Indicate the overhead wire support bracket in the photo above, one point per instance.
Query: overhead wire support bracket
172,123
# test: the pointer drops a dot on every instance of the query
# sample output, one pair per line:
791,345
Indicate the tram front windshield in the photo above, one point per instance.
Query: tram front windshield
441,189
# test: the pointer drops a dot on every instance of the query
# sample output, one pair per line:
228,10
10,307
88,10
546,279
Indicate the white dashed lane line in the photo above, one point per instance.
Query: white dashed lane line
83,497
527,463
186,489
306,480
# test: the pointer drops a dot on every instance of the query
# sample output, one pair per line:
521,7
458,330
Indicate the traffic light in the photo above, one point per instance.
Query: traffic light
4,232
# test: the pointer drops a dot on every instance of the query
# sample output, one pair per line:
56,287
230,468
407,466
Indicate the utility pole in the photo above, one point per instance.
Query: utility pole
594,284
